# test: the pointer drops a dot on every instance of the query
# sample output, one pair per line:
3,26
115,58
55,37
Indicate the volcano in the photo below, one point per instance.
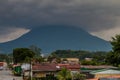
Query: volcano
51,38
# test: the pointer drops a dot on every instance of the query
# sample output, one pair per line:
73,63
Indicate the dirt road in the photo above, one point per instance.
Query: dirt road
7,75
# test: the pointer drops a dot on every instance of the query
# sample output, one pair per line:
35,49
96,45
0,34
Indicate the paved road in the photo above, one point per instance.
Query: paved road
7,75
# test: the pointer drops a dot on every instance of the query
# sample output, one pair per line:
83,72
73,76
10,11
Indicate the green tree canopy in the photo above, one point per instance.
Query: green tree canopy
64,74
20,54
98,56
114,56
3,57
79,76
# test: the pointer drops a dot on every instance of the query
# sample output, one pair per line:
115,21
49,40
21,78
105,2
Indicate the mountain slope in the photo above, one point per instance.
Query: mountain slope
51,38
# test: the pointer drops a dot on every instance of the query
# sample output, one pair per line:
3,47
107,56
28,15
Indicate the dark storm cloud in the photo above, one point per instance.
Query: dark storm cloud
91,15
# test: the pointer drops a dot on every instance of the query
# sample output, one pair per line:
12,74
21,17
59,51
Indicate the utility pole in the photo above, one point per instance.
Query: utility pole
30,69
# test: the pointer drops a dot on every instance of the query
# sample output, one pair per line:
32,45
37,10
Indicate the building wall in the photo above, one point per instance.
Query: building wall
3,65
39,74
72,60
105,75
42,74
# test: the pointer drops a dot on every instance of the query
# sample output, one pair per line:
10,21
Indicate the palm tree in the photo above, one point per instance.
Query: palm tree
64,74
78,76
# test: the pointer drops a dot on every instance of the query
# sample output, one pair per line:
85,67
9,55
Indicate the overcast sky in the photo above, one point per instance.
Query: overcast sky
99,17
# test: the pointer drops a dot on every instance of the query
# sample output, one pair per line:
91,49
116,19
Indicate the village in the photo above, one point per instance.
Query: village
31,64
59,39
51,70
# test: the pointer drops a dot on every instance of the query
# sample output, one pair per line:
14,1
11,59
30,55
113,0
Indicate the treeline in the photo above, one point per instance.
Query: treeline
6,57
81,54
85,57
3,57
98,57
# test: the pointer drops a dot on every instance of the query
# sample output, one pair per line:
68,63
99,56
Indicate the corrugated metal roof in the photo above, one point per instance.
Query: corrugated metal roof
106,71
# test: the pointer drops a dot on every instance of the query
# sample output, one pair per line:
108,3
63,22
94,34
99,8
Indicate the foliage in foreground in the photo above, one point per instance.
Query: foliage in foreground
114,56
64,74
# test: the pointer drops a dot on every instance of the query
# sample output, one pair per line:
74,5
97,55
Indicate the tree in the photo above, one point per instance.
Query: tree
52,57
20,55
110,58
81,54
36,50
3,57
38,59
114,56
64,74
79,76
91,62
99,57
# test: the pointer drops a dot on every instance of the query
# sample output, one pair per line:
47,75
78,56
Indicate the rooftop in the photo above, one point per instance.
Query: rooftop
54,67
106,71
45,67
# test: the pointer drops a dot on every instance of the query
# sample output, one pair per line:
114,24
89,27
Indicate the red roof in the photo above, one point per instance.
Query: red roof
1,63
54,67
70,66
45,67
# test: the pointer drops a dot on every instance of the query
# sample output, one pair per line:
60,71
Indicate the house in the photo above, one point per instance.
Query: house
106,74
46,69
43,70
71,67
71,60
3,65
91,67
87,69
88,59
25,66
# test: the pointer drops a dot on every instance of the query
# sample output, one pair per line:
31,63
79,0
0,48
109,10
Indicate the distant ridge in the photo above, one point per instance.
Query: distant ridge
51,38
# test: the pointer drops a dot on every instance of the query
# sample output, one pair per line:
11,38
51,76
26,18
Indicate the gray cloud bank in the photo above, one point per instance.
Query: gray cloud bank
95,16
